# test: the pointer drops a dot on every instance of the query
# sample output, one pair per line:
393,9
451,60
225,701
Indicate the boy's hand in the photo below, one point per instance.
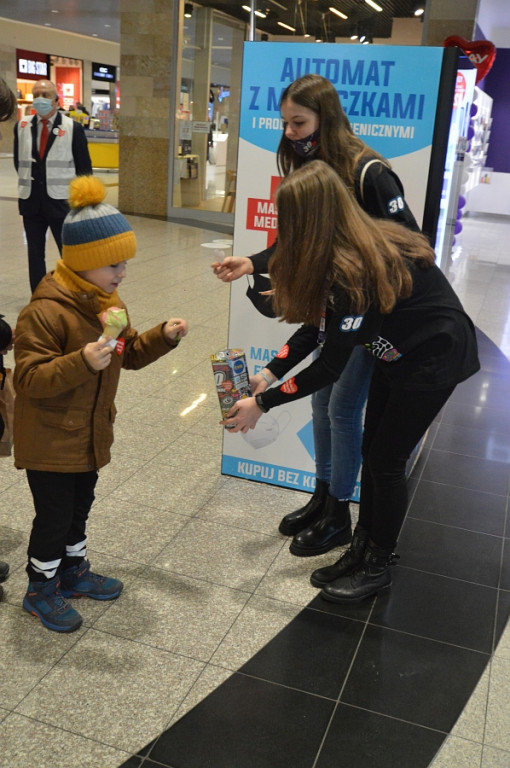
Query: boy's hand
231,268
98,354
175,329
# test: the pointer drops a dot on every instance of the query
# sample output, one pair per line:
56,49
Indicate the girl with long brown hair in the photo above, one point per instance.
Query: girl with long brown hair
372,284
316,127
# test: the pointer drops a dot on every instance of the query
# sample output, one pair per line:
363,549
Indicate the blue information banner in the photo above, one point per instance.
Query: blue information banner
389,93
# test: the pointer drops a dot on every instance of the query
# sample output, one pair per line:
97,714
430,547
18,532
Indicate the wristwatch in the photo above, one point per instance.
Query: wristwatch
258,400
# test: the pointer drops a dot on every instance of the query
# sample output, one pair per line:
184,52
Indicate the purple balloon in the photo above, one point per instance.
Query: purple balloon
458,228
454,241
462,201
470,132
474,109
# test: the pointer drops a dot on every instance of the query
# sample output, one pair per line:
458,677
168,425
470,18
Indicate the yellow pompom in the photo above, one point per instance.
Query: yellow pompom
86,190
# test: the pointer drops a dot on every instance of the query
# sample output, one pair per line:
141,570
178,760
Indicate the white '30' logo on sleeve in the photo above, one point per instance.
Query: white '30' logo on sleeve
351,323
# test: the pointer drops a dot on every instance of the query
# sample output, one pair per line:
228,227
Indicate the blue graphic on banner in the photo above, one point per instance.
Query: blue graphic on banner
305,434
390,105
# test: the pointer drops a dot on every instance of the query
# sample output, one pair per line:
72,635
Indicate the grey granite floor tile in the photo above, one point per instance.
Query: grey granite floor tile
207,682
13,546
259,622
179,614
471,723
112,690
28,652
458,753
503,647
220,554
180,478
131,530
17,508
495,758
253,506
497,733
26,743
288,578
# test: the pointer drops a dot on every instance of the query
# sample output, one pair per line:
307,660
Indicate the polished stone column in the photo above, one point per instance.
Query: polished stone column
449,17
147,73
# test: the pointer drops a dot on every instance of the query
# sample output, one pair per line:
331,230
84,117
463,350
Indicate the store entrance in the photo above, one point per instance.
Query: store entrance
207,117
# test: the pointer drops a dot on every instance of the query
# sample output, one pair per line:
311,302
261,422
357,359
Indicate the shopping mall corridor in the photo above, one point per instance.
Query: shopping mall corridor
219,653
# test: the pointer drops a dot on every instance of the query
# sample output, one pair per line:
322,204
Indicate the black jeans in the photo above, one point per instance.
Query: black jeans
35,230
395,421
62,502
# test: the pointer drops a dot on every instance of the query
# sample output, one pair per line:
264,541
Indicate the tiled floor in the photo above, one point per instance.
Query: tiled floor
219,653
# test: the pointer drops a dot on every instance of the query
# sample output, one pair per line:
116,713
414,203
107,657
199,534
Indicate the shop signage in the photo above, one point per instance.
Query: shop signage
103,72
201,126
32,65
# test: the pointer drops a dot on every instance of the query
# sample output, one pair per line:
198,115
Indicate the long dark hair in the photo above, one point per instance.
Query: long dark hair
325,239
339,147
7,101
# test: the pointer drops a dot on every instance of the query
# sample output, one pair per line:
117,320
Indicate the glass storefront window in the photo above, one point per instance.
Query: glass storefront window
207,114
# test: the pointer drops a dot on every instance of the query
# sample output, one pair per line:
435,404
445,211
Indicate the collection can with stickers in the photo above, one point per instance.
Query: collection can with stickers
231,377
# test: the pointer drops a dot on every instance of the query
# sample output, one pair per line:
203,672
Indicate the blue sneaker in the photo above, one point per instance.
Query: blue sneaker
44,600
79,581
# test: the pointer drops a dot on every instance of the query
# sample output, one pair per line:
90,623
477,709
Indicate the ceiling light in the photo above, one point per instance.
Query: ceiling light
260,14
373,5
188,10
286,26
338,13
419,9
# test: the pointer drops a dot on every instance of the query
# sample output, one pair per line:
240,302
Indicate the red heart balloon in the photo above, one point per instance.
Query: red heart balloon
480,52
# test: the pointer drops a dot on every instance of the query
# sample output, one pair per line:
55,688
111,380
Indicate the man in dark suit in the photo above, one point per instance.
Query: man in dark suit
49,150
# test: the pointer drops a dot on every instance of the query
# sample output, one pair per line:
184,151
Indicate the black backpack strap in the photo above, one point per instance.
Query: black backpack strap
359,177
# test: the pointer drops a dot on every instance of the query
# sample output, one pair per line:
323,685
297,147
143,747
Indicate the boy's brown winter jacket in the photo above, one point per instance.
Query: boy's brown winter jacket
64,411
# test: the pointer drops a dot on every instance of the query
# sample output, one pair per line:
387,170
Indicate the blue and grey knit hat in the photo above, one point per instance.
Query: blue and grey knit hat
94,234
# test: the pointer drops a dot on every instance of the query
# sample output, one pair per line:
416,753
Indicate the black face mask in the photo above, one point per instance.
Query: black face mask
308,146
262,304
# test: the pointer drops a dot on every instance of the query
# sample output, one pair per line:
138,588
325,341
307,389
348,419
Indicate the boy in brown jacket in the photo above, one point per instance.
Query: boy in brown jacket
66,377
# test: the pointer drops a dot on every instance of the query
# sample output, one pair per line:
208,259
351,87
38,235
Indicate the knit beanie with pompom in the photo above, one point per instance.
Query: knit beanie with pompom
94,233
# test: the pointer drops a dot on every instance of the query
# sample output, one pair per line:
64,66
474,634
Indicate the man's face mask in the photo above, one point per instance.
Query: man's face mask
42,106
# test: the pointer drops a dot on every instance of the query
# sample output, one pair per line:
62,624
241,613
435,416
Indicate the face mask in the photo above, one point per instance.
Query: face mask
42,106
308,146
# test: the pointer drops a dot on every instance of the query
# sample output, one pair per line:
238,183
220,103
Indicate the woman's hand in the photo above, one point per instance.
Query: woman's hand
259,383
242,416
231,268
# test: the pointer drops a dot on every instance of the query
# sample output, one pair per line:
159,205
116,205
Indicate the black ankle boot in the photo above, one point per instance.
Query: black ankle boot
371,577
332,529
347,563
297,521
